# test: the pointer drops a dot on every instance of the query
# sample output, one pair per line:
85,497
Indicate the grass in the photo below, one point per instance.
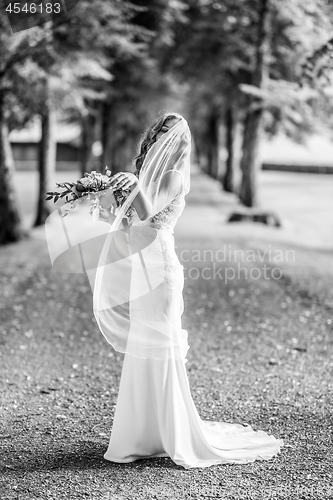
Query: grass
261,353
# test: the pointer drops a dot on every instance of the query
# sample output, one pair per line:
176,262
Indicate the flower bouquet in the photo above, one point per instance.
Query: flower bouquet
93,185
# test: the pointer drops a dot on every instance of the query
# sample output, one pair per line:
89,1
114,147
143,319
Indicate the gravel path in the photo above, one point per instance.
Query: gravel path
261,353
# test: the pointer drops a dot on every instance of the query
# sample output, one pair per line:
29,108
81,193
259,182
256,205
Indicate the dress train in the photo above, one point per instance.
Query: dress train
156,417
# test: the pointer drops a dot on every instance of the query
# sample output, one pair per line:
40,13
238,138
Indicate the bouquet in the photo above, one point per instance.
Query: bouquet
93,184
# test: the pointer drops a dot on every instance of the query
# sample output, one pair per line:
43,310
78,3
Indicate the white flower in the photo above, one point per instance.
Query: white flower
85,181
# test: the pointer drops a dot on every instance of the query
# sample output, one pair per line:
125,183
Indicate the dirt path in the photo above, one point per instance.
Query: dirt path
261,352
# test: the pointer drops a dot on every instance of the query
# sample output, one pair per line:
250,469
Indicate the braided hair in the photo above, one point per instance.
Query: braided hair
149,138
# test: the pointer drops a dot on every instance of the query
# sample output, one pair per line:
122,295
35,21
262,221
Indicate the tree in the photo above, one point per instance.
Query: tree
225,47
10,223
47,154
253,120
140,88
274,93
75,49
212,52
13,51
76,52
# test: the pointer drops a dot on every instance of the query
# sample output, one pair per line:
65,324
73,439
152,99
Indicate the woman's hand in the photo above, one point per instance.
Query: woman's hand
127,180
123,180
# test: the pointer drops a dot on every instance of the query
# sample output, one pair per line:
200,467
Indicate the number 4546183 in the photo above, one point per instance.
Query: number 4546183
49,8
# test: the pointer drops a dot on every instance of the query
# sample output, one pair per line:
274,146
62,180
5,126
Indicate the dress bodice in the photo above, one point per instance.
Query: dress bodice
166,219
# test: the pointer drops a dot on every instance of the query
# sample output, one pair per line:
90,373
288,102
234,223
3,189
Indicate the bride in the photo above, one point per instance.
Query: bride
137,283
138,305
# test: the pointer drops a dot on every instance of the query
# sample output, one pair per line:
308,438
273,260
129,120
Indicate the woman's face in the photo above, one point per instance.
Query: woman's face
170,122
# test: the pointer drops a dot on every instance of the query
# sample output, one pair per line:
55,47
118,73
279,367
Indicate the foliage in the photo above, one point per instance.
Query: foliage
92,183
214,50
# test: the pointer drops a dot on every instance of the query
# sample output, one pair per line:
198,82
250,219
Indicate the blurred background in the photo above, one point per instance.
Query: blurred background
252,77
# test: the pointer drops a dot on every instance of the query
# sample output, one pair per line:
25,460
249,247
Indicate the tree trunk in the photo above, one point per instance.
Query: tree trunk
213,145
228,179
88,130
10,223
253,120
107,142
197,149
250,159
119,142
201,149
124,151
46,160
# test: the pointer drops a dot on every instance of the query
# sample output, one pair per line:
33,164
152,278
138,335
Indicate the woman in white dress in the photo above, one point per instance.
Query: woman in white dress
140,316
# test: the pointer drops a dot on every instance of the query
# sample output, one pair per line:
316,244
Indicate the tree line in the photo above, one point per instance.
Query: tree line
233,66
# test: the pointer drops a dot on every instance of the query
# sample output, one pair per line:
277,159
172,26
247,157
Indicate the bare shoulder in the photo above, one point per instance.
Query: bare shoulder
172,179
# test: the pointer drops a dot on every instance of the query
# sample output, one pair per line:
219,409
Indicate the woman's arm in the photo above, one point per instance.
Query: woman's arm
127,180
169,187
141,204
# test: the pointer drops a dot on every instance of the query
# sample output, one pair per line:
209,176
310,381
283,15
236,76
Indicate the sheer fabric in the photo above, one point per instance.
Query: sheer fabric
132,315
168,155
127,265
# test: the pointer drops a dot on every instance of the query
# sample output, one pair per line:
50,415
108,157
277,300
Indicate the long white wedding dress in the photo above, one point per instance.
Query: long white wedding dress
155,414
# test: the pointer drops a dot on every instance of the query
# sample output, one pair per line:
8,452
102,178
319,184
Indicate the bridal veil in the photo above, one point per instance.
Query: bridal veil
126,264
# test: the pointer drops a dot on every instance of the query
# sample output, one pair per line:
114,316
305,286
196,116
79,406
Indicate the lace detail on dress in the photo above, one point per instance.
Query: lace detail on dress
172,267
165,221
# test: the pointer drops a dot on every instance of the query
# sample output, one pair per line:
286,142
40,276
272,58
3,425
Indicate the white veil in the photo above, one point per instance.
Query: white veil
133,304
